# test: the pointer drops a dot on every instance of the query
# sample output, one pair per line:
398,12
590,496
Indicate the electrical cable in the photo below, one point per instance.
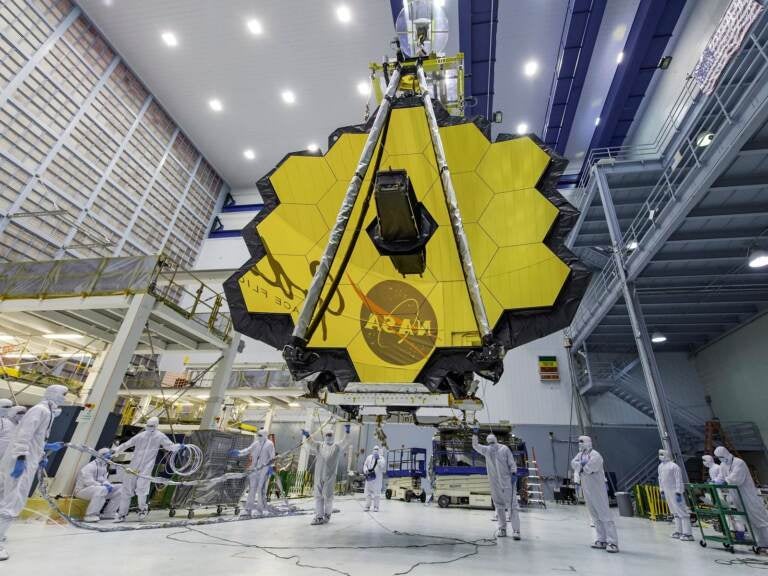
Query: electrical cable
748,562
446,541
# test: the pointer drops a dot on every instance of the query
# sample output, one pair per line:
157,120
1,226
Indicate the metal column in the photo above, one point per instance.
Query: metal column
268,420
219,385
305,450
103,394
639,330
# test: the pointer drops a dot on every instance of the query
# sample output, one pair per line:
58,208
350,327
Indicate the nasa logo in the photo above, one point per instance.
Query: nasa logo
398,323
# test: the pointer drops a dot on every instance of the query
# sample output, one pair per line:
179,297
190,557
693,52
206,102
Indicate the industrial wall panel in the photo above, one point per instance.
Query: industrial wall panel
85,149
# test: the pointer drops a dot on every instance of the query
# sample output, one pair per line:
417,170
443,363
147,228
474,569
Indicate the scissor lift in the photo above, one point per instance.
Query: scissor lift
406,467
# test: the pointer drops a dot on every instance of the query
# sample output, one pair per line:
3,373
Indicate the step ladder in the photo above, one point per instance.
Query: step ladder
533,486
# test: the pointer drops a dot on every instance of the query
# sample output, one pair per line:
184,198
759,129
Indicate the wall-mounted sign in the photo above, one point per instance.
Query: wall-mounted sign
548,370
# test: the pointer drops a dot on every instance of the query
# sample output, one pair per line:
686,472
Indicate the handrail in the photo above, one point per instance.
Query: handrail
715,112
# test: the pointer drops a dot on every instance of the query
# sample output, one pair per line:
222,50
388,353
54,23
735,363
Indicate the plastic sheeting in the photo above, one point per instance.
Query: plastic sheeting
85,277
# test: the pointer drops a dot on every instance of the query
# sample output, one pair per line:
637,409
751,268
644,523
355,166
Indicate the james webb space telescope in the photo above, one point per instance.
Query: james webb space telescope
411,256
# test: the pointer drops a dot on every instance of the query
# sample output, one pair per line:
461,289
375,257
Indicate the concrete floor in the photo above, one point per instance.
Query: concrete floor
554,541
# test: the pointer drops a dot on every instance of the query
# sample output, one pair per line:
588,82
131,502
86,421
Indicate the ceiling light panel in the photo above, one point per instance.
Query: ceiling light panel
169,39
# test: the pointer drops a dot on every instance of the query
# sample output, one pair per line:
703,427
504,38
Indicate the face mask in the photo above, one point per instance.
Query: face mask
56,412
329,440
585,445
18,416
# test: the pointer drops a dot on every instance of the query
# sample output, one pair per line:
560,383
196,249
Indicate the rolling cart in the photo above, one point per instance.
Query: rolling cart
711,507
215,445
405,469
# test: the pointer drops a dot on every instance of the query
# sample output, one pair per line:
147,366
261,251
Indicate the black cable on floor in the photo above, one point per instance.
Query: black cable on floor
446,541
748,562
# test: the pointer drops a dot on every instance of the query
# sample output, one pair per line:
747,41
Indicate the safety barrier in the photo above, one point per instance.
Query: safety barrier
649,503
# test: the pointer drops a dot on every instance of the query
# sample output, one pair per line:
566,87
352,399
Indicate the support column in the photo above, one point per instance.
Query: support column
141,409
651,372
103,394
268,420
93,374
305,449
219,385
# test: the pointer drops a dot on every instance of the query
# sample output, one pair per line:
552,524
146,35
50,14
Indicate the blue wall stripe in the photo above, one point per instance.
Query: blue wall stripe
578,46
651,30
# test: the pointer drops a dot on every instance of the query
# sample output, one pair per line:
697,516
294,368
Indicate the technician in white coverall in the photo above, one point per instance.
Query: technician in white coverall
714,469
146,445
326,463
502,471
24,454
588,465
7,426
673,491
734,471
374,467
262,452
92,485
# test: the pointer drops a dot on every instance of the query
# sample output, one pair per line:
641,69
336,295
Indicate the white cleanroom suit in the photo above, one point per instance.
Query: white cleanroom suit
502,473
673,491
327,458
715,477
374,467
588,464
93,485
734,471
146,445
262,452
7,425
23,456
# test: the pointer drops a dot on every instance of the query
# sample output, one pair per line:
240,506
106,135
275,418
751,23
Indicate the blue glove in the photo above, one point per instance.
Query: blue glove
679,498
347,428
19,467
233,453
271,471
305,433
109,487
53,446
475,430
720,482
584,458
43,462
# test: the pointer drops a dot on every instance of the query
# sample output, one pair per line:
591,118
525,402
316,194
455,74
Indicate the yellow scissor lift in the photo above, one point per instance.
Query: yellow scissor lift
711,507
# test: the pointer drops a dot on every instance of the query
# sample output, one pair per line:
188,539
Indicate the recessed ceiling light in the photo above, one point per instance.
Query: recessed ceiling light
758,259
522,128
632,245
288,97
312,147
294,404
704,139
249,154
343,13
531,68
658,338
216,105
170,39
63,336
364,88
619,57
597,121
254,26
439,3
